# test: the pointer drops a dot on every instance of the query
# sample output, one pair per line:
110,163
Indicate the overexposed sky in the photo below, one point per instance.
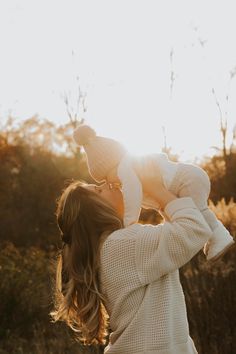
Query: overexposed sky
120,50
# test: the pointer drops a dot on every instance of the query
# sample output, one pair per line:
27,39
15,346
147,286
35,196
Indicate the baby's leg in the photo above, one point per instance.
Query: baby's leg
196,184
192,181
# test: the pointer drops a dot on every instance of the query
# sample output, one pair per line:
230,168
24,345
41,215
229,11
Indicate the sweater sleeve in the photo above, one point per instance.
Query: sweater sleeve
131,190
164,248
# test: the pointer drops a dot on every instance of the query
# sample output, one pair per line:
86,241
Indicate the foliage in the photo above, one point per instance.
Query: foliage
41,134
22,279
223,176
26,300
226,213
31,179
210,294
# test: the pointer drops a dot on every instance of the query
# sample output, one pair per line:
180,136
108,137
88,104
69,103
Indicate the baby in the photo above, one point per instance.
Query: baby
109,161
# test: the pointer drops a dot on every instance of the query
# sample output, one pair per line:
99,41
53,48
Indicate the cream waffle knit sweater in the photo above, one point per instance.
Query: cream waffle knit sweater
140,280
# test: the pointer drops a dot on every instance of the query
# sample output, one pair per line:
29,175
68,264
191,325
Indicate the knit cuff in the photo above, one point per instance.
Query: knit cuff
179,204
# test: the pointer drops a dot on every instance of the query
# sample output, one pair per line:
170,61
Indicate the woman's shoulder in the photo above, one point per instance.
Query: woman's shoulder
129,232
119,242
124,233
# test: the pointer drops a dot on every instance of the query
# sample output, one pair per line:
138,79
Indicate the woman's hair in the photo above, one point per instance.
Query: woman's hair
84,219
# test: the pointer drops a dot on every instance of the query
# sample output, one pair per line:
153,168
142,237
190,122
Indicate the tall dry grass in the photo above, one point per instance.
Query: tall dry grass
210,292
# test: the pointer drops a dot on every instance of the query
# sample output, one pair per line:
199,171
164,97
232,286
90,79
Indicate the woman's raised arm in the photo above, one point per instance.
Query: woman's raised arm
164,248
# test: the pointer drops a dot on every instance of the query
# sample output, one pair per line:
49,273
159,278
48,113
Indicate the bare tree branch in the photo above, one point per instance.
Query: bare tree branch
223,126
74,112
172,74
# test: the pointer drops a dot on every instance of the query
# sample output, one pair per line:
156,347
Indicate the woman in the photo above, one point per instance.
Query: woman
126,278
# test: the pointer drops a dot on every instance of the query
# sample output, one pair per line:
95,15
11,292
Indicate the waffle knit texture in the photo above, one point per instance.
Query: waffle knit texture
139,278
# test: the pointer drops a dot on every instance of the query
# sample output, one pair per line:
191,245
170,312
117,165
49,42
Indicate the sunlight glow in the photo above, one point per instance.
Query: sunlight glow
120,51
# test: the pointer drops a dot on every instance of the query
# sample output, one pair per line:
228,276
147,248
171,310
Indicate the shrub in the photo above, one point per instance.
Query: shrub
26,299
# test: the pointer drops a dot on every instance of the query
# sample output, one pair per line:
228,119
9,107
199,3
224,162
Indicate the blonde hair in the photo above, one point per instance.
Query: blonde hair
85,220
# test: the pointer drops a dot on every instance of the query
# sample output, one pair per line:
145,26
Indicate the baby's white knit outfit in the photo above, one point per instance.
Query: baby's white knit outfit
184,180
139,278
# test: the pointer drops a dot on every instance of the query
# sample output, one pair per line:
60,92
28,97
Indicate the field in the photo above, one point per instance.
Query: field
31,179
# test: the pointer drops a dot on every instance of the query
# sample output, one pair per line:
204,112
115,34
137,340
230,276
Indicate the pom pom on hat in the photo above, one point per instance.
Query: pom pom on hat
84,134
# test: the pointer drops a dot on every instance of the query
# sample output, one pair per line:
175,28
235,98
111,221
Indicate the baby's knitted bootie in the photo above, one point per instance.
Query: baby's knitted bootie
218,244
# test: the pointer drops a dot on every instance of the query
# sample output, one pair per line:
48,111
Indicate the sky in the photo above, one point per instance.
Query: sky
121,53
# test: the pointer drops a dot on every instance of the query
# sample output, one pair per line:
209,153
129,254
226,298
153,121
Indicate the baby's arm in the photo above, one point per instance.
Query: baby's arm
131,189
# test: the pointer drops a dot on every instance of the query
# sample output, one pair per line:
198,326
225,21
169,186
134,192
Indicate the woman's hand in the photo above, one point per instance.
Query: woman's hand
152,181
150,175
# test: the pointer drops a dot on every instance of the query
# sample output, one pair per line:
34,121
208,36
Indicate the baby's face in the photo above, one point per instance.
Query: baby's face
112,176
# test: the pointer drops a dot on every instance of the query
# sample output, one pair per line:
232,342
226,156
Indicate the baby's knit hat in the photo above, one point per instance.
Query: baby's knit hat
103,154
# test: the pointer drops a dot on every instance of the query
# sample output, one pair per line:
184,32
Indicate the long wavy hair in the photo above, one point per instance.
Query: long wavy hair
85,220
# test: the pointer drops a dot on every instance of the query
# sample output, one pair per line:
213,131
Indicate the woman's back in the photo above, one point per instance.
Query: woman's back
140,281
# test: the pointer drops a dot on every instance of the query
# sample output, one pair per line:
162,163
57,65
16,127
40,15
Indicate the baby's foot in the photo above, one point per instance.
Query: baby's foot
220,242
